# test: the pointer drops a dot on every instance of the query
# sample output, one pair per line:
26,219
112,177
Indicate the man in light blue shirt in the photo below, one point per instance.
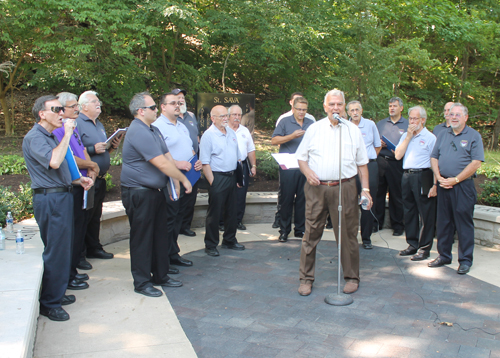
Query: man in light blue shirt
219,156
419,191
373,145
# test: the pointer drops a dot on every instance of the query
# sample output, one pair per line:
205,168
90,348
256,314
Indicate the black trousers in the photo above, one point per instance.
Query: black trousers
418,206
390,174
241,196
188,202
80,220
455,211
292,198
54,216
221,194
367,219
149,244
94,217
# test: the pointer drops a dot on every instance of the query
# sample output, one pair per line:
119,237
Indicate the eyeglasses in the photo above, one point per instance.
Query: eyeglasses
77,138
452,115
221,116
153,107
414,118
454,146
236,114
56,109
300,109
174,103
72,107
96,101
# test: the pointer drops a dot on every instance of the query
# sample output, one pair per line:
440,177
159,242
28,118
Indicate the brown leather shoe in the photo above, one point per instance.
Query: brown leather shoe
351,287
305,288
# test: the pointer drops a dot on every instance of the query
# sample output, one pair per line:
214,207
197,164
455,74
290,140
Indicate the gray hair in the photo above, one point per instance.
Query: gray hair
234,106
65,97
84,98
396,99
334,92
421,111
354,102
40,105
464,109
138,101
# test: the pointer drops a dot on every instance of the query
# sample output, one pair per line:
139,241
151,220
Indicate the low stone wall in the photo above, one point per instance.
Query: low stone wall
487,226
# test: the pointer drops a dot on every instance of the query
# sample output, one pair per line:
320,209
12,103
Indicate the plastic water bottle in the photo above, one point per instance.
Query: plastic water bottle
19,242
10,222
2,239
364,202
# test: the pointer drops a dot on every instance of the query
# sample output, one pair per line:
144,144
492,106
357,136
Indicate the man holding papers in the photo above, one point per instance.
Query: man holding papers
288,135
180,146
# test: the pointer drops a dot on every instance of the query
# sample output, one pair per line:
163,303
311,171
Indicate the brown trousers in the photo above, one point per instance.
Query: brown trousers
319,201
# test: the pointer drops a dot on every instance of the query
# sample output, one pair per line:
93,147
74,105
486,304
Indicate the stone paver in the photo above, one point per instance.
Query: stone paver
245,304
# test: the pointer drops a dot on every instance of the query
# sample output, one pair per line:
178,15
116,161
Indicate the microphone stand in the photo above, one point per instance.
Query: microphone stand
339,299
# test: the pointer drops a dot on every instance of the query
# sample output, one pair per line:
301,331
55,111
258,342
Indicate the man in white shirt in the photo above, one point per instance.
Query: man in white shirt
318,160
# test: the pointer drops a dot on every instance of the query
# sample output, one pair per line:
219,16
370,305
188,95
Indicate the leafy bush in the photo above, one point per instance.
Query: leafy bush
490,171
116,159
491,193
109,182
20,204
267,164
12,164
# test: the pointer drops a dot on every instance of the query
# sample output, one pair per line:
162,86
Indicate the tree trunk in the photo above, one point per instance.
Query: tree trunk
6,115
496,132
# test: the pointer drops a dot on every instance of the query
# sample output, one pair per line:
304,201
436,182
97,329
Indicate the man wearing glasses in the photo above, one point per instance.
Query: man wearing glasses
93,137
188,200
446,124
52,201
219,156
288,135
418,185
456,157
87,168
180,146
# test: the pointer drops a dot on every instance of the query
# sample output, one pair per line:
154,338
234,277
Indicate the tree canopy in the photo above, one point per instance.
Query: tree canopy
426,52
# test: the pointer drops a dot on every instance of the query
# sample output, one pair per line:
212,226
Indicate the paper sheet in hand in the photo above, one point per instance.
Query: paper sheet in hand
286,160
193,176
118,133
390,145
171,189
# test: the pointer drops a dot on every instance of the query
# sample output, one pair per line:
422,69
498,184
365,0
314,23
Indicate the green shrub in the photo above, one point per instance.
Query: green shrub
20,204
12,164
109,182
116,159
491,193
267,164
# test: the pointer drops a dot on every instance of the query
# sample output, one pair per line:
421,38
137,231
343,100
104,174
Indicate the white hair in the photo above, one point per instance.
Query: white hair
335,92
84,98
65,97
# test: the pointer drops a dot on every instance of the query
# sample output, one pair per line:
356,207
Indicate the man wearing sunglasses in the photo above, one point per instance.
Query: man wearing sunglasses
87,168
180,146
52,201
456,157
93,137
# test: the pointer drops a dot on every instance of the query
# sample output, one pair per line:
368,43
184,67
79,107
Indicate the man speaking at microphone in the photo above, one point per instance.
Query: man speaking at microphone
318,156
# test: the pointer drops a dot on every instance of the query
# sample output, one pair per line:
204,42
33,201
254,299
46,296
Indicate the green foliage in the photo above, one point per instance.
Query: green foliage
267,165
12,164
116,159
20,204
109,183
491,193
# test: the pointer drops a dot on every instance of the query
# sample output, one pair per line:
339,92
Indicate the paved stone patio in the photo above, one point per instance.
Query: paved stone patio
245,304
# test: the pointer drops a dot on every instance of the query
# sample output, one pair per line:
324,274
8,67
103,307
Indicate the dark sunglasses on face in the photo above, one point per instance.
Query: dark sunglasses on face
153,107
57,109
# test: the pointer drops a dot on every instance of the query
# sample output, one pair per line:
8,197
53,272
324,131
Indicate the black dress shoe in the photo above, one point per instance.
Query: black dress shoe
77,285
188,232
241,226
68,299
299,234
99,254
81,277
173,271
276,224
438,262
181,262
84,265
54,314
283,238
149,291
367,246
221,228
420,256
463,269
235,246
398,232
410,250
212,252
172,283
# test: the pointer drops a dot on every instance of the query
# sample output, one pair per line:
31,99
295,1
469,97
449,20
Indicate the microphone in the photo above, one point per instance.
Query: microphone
64,120
339,119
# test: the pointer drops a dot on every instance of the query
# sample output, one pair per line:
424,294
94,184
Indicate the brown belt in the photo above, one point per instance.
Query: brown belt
333,182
